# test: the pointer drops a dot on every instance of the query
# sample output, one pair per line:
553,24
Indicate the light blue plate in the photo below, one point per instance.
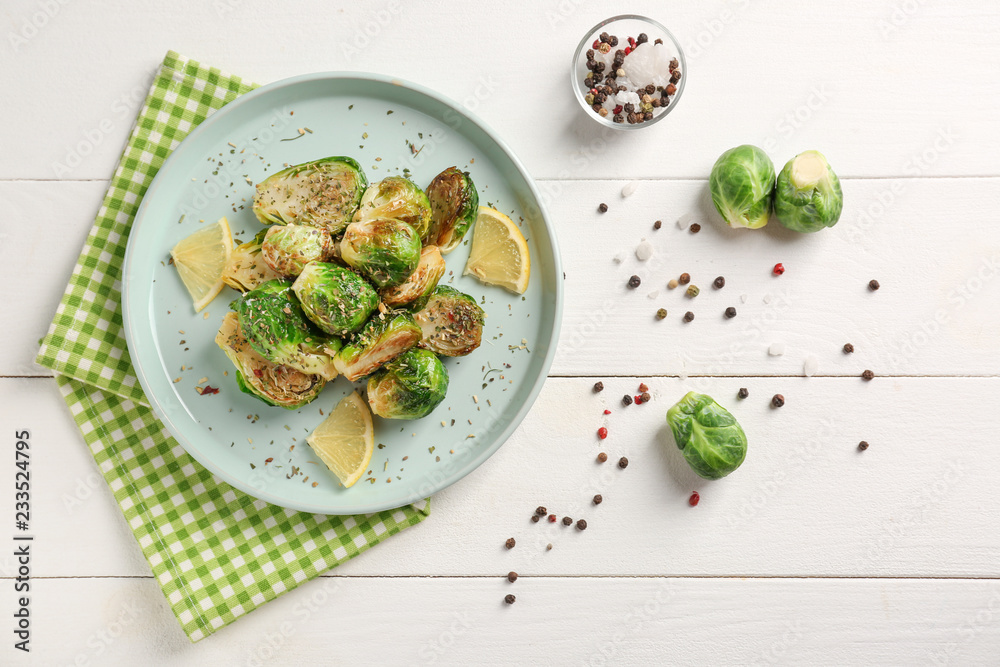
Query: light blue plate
261,449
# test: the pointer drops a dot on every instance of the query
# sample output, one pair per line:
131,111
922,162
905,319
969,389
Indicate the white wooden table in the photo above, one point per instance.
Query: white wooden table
811,553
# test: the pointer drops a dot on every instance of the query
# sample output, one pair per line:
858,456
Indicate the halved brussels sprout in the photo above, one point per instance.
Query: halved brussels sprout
386,251
276,328
275,384
336,299
451,322
808,197
742,186
454,207
288,248
408,387
385,337
247,269
397,198
421,282
322,193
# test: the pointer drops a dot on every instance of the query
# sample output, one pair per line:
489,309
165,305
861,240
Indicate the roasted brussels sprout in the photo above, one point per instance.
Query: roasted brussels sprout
421,282
451,322
276,328
712,441
808,197
336,299
397,198
386,251
246,268
454,206
322,193
383,338
742,186
288,248
275,384
408,387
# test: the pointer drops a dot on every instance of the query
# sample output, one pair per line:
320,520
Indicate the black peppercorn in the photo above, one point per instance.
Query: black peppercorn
730,312
661,314
598,386
743,393
626,400
604,38
535,518
642,38
695,228
509,599
688,316
603,208
675,77
669,90
602,457
623,463
673,64
591,64
657,224
650,89
614,41
873,285
629,107
567,521
589,82
719,282
862,445
848,348
634,282
510,543
777,400
600,68
631,117
646,398
512,576
867,375
581,524
648,115
618,118
597,105
598,499
684,278
541,511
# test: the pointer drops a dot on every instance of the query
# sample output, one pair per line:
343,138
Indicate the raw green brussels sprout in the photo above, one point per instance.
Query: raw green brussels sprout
322,193
454,205
710,437
246,268
408,387
275,384
288,248
383,338
451,322
397,198
336,299
807,197
384,250
420,283
742,186
276,328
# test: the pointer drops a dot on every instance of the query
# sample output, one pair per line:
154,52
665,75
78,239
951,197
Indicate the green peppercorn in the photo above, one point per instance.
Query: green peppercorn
590,99
661,314
693,291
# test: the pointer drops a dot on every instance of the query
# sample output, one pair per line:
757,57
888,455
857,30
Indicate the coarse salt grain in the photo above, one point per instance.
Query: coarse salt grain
653,294
776,349
767,298
810,365
684,221
619,257
644,251
743,298
630,189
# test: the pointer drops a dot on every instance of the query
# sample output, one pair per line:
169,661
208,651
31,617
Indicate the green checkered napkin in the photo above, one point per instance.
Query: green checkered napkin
217,552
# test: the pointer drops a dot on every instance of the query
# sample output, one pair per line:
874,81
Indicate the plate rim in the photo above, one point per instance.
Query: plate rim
128,319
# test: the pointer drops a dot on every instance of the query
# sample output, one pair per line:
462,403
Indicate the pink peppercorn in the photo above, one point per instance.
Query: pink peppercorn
602,433
693,500
607,412
779,268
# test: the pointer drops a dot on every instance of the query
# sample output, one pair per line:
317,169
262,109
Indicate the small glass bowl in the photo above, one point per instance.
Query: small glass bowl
623,27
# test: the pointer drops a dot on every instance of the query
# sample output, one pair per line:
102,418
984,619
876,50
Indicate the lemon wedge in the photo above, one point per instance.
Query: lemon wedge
499,254
201,259
345,439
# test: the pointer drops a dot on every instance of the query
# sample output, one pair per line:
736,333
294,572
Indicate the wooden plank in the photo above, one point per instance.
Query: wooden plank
806,502
933,315
863,81
554,621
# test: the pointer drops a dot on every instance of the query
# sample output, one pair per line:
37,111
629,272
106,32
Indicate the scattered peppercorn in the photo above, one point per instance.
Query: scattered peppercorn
867,375
548,547
673,283
603,208
778,269
634,282
607,412
743,393
643,387
552,518
873,285
777,401
642,39
510,543
602,457
684,278
602,433
730,312
863,445
581,524
646,397
661,314
512,576
535,518
693,500
848,348
598,499
567,521
598,387
626,400
541,511
688,316
623,463
638,399
695,228
693,291
719,282
658,41
657,224
509,599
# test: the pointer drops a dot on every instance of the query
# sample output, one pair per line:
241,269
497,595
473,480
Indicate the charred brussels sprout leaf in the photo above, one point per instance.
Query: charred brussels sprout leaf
288,248
712,441
336,299
408,387
397,198
742,186
421,282
383,338
451,322
454,206
275,384
386,251
246,268
276,328
808,197
322,193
